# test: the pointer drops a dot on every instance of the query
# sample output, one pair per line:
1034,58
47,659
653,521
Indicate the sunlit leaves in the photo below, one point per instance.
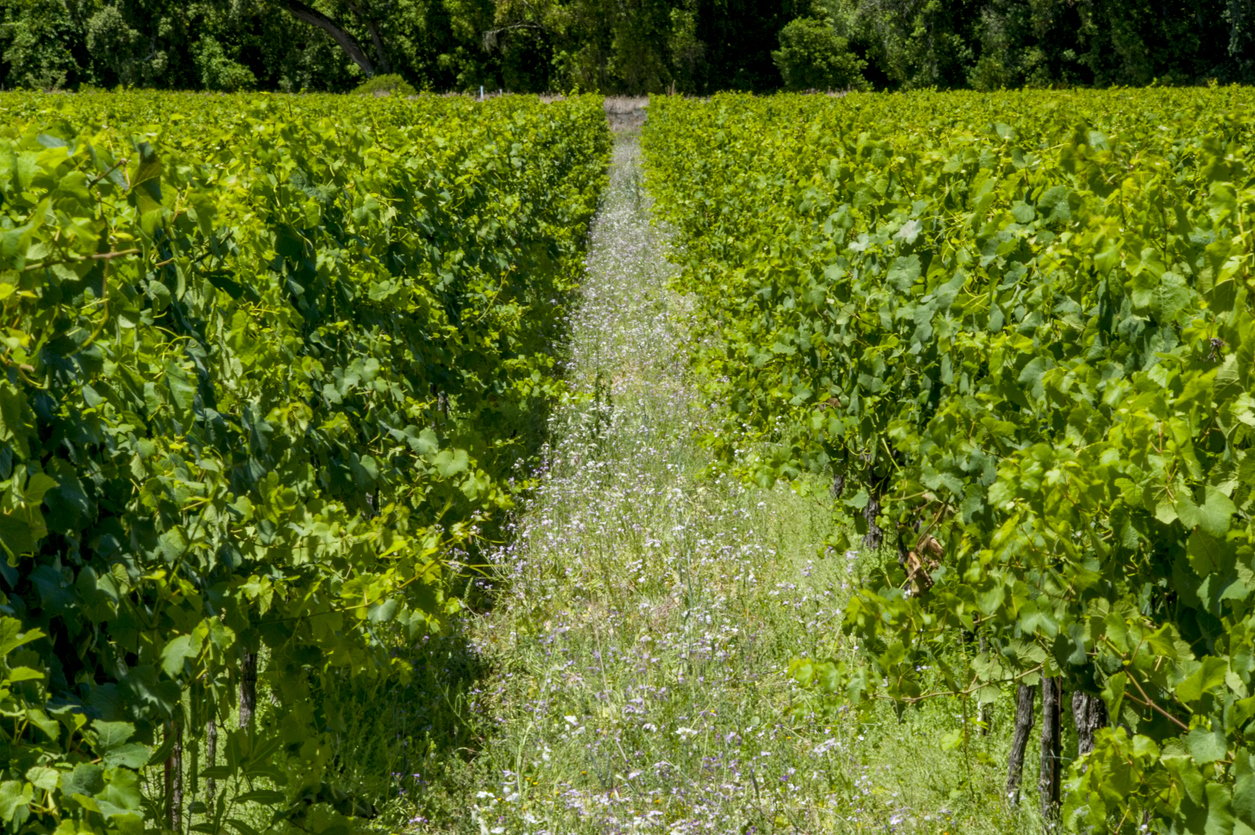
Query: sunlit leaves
265,365
1035,344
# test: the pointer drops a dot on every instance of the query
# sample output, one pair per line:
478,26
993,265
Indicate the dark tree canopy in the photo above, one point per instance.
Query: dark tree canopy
623,46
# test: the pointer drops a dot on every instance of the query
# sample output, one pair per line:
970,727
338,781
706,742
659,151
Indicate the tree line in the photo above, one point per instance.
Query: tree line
623,46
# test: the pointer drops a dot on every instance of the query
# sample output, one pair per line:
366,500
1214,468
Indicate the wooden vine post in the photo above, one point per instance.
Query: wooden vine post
211,757
1025,698
173,774
1090,714
1050,777
248,689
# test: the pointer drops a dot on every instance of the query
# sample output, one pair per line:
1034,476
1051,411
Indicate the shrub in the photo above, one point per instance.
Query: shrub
814,57
219,72
386,85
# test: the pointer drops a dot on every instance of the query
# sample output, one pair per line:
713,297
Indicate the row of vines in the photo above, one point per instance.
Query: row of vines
1016,334
267,365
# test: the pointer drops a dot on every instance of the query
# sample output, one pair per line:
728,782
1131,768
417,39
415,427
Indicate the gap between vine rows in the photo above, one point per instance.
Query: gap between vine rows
648,609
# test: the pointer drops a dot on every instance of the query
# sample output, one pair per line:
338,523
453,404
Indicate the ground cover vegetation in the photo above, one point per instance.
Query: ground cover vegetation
267,367
689,46
648,604
1013,335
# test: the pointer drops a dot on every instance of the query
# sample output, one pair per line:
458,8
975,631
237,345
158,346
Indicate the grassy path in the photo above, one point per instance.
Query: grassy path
639,647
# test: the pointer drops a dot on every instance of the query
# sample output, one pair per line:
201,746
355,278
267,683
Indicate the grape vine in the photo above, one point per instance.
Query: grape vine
1015,331
266,366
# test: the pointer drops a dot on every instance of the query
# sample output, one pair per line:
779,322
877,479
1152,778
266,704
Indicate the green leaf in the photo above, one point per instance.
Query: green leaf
1023,212
45,723
1206,746
858,500
1208,676
991,598
1205,552
86,779
1106,260
268,797
110,735
1244,798
1212,515
385,611
146,181
1219,814
43,778
1166,510
17,534
1113,692
132,755
242,827
69,507
909,231
1170,297
12,636
182,389
451,462
1037,620
176,654
1031,376
15,799
37,486
16,674
120,799
904,272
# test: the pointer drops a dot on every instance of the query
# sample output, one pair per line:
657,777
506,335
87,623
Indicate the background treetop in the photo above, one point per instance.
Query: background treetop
626,46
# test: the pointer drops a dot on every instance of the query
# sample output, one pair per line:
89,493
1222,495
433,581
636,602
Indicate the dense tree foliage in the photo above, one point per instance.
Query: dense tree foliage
1003,43
630,46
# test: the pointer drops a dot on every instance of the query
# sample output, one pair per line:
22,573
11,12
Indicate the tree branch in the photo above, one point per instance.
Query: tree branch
381,55
347,42
491,36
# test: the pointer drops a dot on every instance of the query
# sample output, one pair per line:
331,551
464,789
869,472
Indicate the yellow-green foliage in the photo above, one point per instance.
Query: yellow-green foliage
265,363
